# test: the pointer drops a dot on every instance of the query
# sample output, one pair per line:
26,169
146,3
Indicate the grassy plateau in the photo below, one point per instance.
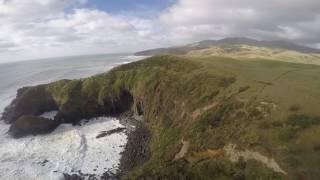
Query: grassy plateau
211,117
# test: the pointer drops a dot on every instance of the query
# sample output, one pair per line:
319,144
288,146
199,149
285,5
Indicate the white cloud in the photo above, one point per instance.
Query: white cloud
44,28
49,31
263,19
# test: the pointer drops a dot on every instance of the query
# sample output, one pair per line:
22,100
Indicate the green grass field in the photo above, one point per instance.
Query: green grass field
266,106
247,52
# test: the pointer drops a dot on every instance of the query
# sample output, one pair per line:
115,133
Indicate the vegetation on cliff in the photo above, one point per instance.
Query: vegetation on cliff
208,117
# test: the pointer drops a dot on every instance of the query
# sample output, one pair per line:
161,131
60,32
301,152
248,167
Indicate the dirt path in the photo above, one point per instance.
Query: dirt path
235,154
183,151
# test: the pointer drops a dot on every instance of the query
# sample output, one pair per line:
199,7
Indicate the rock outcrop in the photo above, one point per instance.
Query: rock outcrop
32,125
30,101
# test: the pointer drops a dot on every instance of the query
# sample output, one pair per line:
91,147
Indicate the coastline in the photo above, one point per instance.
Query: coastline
136,151
10,96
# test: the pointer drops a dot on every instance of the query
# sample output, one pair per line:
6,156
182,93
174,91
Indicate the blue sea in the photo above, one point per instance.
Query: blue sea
28,73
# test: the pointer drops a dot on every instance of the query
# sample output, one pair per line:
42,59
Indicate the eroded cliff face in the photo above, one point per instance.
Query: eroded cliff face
30,101
206,104
34,125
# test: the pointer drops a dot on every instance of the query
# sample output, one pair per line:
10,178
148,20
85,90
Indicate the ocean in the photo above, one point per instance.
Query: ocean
28,73
69,149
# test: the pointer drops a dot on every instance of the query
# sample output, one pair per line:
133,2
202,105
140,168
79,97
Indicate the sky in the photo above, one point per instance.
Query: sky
32,29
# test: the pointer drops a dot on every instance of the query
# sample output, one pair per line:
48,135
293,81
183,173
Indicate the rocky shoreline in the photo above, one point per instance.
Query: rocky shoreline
24,116
112,94
136,150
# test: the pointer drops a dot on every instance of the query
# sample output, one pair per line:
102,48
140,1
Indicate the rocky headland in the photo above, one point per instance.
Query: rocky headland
198,118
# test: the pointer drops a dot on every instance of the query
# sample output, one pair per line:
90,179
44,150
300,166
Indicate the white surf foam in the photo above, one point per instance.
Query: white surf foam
66,150
49,115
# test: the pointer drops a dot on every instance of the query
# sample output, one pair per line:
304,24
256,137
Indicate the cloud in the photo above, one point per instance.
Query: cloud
6,46
263,19
44,28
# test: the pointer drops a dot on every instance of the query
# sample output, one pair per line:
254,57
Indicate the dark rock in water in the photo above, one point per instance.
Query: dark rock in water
72,177
81,176
109,176
108,133
33,125
29,101
43,163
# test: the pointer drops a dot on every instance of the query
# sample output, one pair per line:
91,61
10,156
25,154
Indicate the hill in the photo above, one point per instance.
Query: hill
246,52
229,43
208,117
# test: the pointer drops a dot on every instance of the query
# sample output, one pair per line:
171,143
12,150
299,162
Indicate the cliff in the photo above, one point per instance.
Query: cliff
208,118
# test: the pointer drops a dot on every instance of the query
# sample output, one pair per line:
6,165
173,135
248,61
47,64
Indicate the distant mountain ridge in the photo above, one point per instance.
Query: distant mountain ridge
181,50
